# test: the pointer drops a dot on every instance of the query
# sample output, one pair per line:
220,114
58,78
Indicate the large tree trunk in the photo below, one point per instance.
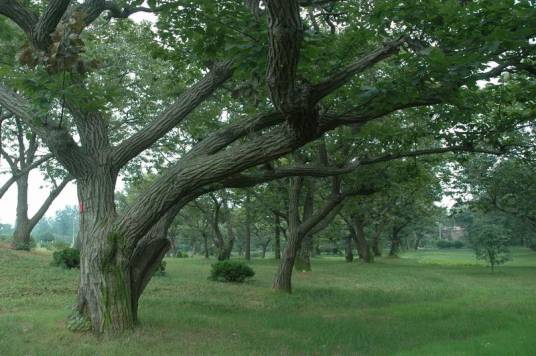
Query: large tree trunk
105,290
363,248
277,242
21,235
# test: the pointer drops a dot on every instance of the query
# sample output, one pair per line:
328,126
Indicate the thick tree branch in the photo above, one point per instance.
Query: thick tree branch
5,187
23,17
173,115
225,136
342,77
58,139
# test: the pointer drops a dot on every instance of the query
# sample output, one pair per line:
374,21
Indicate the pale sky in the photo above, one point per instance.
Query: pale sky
36,196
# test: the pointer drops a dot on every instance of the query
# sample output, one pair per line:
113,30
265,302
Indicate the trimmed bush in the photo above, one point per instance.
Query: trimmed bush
231,271
180,254
458,244
66,258
444,244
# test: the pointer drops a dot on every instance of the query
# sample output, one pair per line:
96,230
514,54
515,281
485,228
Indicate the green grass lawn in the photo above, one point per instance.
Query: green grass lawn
425,303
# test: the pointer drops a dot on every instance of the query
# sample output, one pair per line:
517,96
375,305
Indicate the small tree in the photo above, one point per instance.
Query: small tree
490,243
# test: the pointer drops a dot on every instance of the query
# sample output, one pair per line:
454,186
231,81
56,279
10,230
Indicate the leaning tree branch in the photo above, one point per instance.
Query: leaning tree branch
23,17
343,76
48,201
173,115
58,139
227,135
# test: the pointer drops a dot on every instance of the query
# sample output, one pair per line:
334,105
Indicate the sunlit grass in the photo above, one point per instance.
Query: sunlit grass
425,303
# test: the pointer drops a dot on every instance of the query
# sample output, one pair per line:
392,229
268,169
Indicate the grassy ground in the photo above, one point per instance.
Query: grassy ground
425,303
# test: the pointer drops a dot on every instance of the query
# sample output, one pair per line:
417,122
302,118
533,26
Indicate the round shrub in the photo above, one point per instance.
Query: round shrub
458,244
181,254
66,258
444,244
231,271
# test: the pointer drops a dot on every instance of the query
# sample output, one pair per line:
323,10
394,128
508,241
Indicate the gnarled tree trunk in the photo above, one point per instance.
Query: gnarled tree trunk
105,290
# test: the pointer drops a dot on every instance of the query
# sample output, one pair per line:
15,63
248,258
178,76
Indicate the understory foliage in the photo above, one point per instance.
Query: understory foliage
449,244
66,258
231,271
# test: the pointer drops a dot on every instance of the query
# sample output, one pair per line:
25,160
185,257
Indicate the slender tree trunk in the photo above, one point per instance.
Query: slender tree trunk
363,248
205,244
418,240
21,235
277,242
395,243
303,260
248,232
376,249
349,255
264,247
283,277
